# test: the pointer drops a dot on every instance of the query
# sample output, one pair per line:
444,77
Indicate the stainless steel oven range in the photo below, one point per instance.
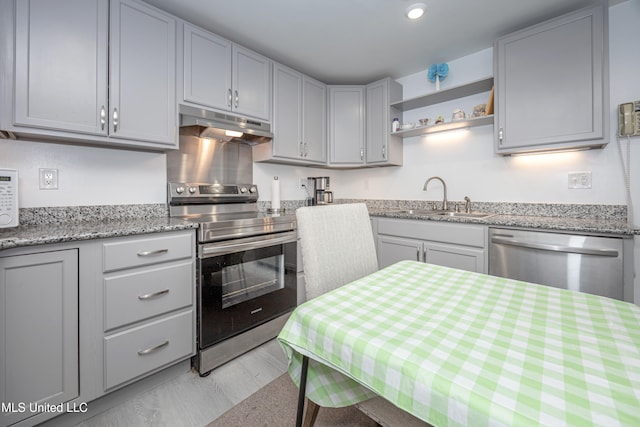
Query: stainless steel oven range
246,268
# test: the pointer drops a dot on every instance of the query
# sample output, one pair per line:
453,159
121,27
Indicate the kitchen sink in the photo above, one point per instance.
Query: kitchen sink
417,211
465,214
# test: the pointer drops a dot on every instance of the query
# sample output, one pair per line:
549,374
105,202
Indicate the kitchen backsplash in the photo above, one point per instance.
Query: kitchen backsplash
64,214
612,212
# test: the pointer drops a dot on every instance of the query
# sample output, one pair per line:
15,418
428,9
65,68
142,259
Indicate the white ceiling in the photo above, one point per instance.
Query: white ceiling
359,41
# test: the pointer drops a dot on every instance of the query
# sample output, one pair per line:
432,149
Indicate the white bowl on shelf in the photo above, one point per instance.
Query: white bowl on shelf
406,126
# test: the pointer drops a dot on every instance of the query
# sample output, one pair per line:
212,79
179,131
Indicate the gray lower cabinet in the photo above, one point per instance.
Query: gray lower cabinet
552,84
149,293
39,333
453,245
78,72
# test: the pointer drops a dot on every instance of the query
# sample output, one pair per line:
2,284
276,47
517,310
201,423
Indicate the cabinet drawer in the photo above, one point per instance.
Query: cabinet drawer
130,297
146,250
139,350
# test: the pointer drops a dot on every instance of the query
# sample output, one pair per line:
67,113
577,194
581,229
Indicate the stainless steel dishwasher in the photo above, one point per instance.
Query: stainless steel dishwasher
580,263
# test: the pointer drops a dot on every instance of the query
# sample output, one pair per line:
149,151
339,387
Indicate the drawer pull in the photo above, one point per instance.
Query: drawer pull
156,252
153,349
257,310
153,295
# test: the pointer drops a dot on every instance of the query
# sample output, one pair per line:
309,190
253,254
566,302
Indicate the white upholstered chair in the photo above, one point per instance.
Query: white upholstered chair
337,248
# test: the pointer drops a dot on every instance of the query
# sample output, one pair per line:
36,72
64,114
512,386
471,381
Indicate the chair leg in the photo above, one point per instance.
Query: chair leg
311,414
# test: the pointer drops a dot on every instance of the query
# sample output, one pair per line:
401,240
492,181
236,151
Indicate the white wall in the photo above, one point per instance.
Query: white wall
86,175
465,160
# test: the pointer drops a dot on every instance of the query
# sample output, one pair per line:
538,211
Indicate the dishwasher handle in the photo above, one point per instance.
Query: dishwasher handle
554,248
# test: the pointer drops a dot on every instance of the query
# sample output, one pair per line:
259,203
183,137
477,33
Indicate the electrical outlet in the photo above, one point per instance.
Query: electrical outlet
579,180
48,179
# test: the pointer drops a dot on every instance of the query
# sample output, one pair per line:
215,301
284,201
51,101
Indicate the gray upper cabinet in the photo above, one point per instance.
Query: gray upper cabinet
221,75
299,119
61,65
347,126
39,333
382,147
142,86
552,84
314,120
79,72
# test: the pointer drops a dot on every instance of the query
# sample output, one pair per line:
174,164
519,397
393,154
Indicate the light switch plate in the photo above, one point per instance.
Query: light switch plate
580,180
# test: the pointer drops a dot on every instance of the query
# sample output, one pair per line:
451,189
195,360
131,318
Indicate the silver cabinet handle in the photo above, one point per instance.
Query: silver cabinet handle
156,252
555,248
306,149
229,98
115,119
301,149
500,135
237,99
153,349
384,151
257,310
103,117
153,295
418,254
361,153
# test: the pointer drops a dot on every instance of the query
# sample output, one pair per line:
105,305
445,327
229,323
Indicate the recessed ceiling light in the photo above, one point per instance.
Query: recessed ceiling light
415,11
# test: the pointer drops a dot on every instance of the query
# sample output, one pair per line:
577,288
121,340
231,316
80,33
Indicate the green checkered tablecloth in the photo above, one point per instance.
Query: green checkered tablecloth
456,348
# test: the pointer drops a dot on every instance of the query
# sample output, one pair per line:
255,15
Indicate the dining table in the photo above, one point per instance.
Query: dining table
460,348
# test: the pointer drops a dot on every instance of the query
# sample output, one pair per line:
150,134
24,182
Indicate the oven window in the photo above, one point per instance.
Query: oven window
242,280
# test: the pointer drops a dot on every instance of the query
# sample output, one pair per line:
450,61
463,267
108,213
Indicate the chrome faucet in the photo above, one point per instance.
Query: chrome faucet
445,205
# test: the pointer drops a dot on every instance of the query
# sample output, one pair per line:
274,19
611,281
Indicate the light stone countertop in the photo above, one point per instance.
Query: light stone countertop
66,224
541,223
40,234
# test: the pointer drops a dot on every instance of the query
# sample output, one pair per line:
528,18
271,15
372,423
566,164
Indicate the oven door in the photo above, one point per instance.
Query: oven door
243,283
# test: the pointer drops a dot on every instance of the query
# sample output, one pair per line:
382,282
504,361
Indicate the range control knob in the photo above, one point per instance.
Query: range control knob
253,189
243,190
192,190
180,189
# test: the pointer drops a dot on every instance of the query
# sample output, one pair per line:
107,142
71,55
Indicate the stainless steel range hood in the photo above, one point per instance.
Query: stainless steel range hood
223,127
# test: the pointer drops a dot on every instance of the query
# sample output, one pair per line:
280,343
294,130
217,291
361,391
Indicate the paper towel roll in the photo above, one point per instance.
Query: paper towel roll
275,193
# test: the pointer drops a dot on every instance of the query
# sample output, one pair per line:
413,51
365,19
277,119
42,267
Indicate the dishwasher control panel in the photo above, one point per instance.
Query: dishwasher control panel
8,198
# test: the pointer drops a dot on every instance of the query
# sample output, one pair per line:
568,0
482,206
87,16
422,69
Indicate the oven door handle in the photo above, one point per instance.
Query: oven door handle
221,249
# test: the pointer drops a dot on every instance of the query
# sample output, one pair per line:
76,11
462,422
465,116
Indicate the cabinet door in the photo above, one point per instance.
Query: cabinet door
287,113
39,335
551,84
346,125
61,65
394,249
382,147
207,69
251,83
463,258
142,73
314,120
